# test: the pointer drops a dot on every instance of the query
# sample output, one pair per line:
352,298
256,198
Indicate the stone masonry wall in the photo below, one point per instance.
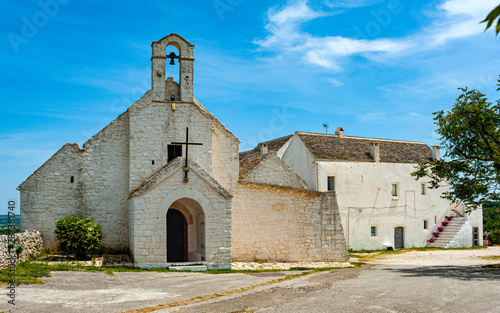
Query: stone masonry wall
273,224
31,241
148,218
105,182
225,154
154,126
48,194
273,171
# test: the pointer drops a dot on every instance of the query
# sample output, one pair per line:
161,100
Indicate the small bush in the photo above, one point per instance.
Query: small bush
78,235
19,250
495,237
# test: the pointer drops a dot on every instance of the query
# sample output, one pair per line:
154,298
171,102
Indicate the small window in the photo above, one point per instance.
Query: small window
373,231
394,190
426,224
422,189
331,183
435,219
152,162
72,179
174,151
172,98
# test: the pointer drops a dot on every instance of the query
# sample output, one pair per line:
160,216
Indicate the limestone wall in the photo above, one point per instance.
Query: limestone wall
273,171
154,125
49,193
148,219
225,156
31,241
272,224
104,182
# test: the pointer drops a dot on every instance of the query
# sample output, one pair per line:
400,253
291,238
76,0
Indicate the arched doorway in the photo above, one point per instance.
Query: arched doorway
176,236
185,223
399,238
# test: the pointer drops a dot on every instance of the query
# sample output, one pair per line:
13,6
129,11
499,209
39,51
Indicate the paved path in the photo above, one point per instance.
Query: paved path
380,288
440,281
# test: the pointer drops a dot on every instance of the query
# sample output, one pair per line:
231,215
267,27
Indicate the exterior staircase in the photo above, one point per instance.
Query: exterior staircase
448,233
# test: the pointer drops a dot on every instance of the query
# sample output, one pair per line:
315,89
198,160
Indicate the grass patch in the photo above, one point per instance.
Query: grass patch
491,257
366,254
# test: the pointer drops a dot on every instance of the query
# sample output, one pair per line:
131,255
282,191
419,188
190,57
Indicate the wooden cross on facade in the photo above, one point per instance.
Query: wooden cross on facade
187,143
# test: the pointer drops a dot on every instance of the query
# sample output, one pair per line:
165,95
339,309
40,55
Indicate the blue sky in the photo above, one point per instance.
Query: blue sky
264,68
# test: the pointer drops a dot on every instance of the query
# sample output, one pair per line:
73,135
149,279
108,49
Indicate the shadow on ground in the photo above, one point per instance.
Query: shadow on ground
468,273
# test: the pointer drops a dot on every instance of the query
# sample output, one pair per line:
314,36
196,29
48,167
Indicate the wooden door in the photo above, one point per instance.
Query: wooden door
399,238
176,236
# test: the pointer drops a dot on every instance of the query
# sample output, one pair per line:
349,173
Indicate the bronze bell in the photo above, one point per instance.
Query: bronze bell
172,56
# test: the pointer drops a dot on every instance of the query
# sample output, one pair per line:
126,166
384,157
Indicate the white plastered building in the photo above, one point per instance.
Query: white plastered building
381,205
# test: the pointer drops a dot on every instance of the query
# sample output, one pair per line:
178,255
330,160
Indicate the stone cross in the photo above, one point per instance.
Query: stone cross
187,143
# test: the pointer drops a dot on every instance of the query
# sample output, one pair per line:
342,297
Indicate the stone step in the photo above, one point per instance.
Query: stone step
192,268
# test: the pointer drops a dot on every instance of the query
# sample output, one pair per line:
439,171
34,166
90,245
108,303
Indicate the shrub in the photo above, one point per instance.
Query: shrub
19,250
495,237
79,235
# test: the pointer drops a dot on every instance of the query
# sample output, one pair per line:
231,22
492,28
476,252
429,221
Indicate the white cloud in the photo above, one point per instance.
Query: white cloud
456,19
474,8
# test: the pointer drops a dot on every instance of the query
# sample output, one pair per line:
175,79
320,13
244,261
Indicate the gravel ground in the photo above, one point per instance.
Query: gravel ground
286,266
438,257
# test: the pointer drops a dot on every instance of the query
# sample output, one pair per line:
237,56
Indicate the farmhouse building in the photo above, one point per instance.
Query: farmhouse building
167,183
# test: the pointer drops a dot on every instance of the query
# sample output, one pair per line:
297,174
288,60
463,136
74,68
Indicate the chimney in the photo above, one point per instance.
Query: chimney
435,153
339,132
375,151
264,148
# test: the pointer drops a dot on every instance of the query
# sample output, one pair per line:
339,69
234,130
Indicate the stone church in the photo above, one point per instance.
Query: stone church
166,182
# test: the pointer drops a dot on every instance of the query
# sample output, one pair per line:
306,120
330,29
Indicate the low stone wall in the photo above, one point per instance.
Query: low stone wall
31,241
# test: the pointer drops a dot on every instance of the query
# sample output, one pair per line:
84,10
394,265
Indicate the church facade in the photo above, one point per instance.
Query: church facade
167,183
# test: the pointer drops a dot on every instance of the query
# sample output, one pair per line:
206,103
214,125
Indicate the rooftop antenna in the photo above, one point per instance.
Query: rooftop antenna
325,125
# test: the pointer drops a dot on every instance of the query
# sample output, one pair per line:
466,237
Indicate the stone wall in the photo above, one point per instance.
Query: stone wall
225,156
104,182
154,126
273,224
273,171
150,204
31,241
50,193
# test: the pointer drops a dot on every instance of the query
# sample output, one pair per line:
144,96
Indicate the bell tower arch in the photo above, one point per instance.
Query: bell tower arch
183,88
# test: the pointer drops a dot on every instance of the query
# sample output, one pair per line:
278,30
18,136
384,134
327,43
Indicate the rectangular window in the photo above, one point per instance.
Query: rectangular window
331,183
426,224
422,189
373,231
174,151
394,190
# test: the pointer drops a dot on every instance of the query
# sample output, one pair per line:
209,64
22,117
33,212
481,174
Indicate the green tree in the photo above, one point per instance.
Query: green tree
492,17
78,235
491,216
470,135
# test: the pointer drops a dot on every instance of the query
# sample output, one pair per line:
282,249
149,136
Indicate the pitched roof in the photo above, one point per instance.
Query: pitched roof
169,169
358,149
272,146
250,159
